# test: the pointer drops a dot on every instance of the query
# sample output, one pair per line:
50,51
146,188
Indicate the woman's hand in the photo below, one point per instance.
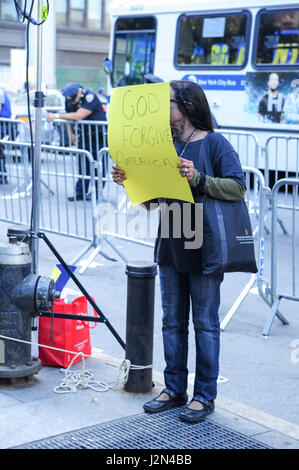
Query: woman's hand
186,168
118,175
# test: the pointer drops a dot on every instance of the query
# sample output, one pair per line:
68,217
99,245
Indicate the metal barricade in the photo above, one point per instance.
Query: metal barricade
13,129
86,135
18,130
92,133
245,144
248,149
281,158
274,291
58,177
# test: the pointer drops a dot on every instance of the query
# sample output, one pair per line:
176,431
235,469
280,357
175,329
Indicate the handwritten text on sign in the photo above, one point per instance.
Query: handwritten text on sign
140,143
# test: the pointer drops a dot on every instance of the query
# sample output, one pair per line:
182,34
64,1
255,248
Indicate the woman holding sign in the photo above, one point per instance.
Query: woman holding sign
182,277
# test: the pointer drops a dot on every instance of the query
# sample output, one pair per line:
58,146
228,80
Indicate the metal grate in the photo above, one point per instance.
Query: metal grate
162,431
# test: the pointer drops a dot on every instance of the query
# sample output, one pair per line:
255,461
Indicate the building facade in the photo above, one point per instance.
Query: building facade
77,44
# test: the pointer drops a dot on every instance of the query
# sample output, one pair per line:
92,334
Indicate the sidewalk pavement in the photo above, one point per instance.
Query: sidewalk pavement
33,411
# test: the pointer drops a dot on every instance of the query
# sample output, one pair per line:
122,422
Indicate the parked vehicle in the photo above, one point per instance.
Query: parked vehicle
51,133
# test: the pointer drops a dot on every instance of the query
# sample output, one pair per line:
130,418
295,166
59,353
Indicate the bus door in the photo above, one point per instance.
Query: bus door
133,53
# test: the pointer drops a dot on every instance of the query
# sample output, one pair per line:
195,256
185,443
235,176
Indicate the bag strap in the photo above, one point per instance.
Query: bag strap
206,156
85,323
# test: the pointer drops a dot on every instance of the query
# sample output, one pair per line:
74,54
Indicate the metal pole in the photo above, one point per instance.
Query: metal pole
273,242
37,148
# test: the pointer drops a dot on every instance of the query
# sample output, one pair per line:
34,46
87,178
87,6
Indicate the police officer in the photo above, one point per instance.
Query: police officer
5,112
82,104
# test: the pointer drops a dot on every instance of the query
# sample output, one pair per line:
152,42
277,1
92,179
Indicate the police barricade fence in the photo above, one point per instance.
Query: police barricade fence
280,154
19,130
58,179
93,134
116,219
245,144
90,134
247,147
285,286
281,159
13,129
86,134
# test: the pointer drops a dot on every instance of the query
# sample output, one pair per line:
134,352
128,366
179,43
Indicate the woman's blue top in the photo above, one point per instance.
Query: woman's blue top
226,164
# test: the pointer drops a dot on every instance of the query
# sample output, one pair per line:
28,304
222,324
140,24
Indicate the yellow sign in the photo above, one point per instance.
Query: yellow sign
140,143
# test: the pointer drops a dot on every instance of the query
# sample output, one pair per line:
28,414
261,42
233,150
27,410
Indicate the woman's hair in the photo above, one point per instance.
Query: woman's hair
193,104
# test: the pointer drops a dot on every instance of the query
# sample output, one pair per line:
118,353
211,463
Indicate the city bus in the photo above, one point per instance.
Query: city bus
244,54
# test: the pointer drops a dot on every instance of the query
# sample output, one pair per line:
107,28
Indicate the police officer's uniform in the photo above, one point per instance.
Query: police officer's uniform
91,142
5,112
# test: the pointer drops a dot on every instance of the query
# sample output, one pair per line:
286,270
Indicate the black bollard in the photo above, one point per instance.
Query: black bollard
140,324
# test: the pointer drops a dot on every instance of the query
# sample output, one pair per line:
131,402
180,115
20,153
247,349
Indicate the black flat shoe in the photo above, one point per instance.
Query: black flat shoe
156,406
195,416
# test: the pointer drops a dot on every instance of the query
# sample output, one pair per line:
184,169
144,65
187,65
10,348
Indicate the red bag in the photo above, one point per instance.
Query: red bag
71,335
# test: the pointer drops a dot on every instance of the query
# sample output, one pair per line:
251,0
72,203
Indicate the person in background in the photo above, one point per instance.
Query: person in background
5,112
103,98
83,105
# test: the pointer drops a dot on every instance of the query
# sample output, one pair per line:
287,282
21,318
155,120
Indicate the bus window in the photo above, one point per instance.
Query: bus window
278,38
217,41
134,47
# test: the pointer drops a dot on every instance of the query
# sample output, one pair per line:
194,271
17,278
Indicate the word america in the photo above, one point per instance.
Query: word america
126,161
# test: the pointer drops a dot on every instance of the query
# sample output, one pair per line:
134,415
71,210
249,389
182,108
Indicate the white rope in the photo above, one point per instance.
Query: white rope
84,378
41,345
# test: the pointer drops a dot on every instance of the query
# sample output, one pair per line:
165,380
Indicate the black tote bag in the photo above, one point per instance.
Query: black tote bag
228,244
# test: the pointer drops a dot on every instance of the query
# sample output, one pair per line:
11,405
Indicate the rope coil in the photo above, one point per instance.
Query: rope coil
84,378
